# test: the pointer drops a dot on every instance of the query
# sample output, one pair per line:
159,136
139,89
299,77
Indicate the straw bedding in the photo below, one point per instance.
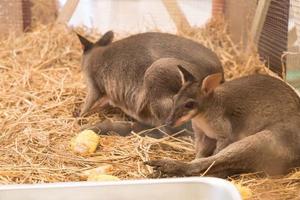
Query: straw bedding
41,85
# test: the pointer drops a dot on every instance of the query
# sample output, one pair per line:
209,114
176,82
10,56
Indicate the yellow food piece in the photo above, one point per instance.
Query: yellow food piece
102,177
244,191
103,169
85,143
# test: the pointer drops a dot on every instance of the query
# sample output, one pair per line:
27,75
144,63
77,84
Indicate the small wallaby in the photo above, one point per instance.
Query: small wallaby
245,125
139,75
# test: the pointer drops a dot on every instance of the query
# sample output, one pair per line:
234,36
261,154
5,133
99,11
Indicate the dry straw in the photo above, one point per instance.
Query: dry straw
41,85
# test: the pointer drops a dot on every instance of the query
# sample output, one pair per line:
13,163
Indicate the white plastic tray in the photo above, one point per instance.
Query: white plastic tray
203,188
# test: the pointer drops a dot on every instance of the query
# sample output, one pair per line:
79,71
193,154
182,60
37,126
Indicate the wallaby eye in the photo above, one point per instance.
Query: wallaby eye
190,105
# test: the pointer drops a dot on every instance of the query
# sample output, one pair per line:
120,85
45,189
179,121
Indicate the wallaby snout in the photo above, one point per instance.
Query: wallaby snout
177,120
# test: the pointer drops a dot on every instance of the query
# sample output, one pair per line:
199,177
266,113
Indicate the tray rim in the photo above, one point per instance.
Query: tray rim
214,182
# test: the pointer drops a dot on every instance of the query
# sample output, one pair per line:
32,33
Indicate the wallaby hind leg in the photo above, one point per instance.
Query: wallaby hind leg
124,128
264,151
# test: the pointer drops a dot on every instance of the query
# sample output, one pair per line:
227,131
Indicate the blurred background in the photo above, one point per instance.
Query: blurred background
134,16
273,26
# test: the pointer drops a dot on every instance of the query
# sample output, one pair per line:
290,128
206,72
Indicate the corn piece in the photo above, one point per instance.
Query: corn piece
103,169
245,192
85,143
102,177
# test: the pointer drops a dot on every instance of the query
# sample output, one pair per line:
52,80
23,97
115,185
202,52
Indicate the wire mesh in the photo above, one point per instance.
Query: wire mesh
26,13
11,19
274,36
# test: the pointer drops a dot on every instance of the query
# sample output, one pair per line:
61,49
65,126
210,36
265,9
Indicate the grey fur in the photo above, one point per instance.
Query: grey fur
139,75
246,125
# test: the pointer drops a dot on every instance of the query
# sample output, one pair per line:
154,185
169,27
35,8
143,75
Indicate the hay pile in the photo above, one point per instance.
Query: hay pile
41,85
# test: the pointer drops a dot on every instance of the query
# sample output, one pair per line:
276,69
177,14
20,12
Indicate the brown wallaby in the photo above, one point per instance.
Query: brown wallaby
248,124
139,75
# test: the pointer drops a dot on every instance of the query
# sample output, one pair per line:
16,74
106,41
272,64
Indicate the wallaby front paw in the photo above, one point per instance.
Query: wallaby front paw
76,112
169,167
90,127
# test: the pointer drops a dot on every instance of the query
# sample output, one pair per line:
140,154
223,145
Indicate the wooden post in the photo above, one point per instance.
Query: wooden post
259,20
239,17
218,8
293,57
292,36
67,11
177,15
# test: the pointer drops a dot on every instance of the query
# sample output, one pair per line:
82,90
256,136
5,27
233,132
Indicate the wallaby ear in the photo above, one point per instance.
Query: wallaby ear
86,44
211,82
106,39
185,75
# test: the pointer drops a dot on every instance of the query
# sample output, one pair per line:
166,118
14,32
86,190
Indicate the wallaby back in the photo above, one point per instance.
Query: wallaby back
254,102
252,123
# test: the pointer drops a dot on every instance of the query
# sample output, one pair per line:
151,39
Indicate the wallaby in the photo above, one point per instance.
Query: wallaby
245,125
139,75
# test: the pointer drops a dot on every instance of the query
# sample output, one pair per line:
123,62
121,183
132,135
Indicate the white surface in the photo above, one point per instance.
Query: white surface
203,188
131,16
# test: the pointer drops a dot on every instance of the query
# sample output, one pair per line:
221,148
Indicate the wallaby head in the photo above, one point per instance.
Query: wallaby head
88,46
192,97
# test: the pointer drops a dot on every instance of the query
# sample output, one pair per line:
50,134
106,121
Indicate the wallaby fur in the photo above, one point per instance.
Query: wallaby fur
139,74
245,125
